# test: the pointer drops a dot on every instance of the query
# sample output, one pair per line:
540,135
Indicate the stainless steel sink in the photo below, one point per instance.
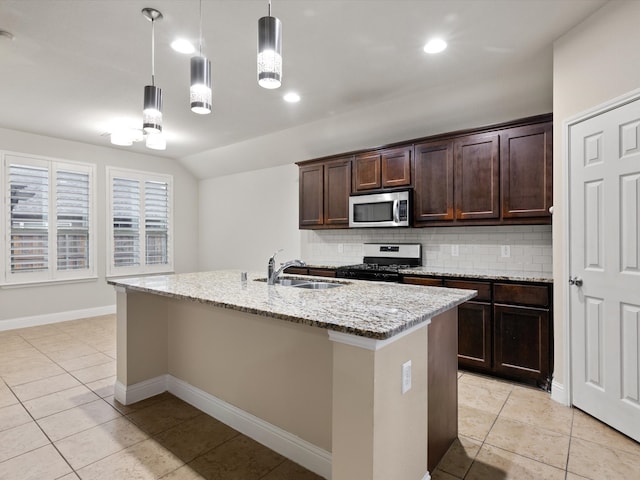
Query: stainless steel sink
318,285
304,283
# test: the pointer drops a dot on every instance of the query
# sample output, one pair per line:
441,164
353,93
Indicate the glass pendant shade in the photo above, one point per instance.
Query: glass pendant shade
269,52
152,112
156,141
200,91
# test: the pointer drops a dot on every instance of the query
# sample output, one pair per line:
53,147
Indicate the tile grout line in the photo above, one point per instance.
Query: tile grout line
488,432
51,442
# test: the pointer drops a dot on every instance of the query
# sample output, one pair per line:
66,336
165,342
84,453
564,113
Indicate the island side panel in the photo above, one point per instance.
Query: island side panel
379,433
443,384
141,343
278,371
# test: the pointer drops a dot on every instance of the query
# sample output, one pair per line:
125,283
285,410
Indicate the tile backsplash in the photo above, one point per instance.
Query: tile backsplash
529,246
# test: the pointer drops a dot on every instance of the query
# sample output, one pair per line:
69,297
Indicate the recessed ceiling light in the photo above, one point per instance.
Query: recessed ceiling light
435,45
182,45
291,97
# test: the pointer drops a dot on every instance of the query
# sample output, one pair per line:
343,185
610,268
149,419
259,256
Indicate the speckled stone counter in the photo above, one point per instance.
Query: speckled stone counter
369,309
483,274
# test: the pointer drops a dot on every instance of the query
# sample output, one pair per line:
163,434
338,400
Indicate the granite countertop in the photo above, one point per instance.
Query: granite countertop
488,274
375,310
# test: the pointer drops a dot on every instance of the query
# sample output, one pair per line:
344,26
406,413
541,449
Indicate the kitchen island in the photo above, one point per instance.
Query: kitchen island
316,375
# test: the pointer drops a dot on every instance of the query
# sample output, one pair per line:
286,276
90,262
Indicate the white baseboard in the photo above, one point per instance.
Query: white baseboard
140,391
45,319
286,444
558,393
426,476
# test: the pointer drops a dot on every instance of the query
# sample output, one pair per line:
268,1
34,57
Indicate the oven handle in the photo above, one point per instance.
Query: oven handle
396,211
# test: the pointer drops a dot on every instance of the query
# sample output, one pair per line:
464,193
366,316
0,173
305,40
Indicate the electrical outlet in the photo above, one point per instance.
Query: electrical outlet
455,250
506,251
406,377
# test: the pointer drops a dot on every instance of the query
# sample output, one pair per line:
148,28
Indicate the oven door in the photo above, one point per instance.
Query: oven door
379,210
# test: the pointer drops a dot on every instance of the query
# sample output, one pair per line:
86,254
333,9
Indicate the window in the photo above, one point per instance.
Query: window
140,226
49,217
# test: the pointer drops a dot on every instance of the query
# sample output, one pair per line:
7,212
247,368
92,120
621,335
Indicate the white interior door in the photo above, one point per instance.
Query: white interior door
604,165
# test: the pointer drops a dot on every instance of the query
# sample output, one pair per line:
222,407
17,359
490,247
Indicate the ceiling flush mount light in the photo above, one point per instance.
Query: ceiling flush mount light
435,45
126,136
152,112
269,51
200,91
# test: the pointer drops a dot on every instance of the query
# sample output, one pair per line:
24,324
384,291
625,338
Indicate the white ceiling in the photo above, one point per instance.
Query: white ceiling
76,67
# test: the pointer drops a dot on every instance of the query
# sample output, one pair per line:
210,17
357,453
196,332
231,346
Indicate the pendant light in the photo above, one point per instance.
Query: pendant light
269,51
152,112
200,91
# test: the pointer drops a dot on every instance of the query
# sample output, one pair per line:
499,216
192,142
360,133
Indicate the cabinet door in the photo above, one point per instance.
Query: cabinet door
474,335
396,167
522,342
311,195
433,199
366,172
526,176
337,186
477,177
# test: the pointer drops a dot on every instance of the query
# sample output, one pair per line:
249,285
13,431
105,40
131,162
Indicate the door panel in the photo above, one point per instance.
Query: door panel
604,251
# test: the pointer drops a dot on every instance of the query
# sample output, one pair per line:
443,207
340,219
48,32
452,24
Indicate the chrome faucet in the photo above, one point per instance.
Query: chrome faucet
273,274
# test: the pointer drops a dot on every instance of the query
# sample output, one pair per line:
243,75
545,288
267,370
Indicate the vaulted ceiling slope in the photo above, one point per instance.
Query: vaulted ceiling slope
75,68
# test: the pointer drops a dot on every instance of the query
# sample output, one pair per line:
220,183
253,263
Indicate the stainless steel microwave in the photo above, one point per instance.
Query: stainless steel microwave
389,209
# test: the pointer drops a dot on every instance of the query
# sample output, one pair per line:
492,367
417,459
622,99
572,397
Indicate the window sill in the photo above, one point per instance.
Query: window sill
136,275
40,283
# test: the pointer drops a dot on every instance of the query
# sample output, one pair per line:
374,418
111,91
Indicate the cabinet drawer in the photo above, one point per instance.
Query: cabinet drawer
483,288
430,282
537,295
322,272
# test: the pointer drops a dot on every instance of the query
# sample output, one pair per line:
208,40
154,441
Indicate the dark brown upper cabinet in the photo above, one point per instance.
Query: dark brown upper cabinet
495,175
324,189
337,187
433,199
527,171
477,176
382,169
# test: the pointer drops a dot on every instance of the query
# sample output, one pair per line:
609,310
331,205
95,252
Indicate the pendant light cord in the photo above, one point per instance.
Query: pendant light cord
200,27
153,52
269,8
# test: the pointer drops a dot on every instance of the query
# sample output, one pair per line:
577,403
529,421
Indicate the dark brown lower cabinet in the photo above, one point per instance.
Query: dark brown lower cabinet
522,343
474,335
505,330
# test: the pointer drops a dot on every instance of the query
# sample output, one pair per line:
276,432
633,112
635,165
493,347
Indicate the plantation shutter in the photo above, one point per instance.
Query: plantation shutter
72,214
29,218
156,222
126,222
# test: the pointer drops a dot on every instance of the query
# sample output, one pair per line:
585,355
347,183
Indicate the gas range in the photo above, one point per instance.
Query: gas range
383,262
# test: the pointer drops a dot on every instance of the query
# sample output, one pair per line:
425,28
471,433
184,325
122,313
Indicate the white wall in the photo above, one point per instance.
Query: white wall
246,217
39,303
596,61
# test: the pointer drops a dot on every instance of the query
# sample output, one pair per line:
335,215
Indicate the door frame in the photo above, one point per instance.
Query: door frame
564,393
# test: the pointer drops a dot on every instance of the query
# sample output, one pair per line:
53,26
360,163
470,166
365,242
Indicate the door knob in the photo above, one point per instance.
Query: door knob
577,281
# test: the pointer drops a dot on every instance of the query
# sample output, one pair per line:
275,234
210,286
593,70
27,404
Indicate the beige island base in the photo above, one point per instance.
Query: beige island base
316,375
